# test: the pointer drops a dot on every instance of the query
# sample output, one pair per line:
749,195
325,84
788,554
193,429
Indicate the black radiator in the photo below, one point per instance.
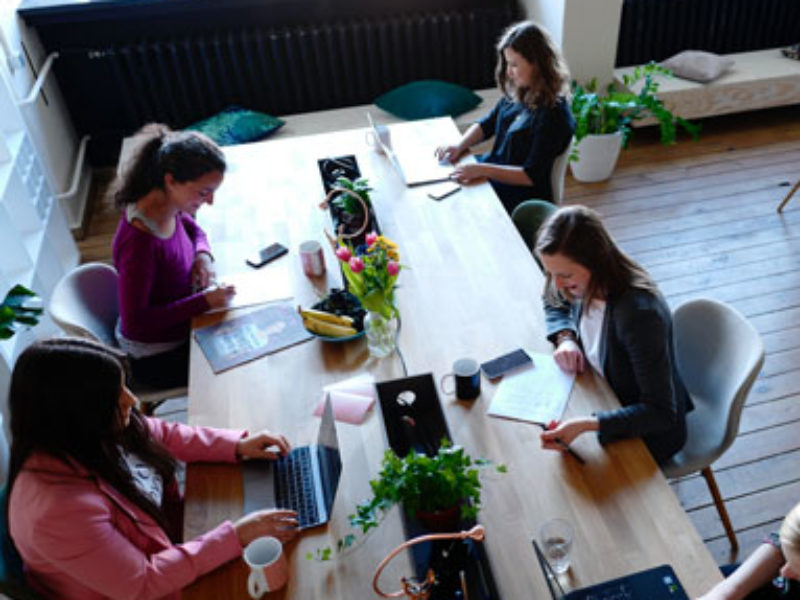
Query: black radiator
114,89
657,29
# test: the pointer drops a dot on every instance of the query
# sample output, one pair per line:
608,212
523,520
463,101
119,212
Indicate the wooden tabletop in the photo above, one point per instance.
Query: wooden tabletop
470,288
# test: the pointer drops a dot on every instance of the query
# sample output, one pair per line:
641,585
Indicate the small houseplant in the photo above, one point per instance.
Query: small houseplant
351,209
19,308
440,491
446,483
603,121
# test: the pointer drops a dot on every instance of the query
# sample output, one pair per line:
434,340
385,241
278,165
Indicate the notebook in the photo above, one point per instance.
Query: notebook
305,480
658,583
411,152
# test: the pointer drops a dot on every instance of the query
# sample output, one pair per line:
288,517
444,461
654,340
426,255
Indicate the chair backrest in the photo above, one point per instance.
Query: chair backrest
84,302
719,355
528,218
558,173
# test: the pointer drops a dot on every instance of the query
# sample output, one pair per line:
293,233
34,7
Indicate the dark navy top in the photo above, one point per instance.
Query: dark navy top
531,139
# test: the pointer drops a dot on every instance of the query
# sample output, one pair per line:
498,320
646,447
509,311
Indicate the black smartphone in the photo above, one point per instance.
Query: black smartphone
443,190
267,254
507,362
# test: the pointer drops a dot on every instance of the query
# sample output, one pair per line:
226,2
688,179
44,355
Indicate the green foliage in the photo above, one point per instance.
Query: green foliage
346,202
421,482
18,308
617,110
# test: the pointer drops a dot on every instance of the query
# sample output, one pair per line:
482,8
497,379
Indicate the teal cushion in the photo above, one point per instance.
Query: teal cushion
236,125
428,98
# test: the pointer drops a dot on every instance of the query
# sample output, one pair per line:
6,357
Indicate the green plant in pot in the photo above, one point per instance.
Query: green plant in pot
20,307
603,122
439,490
351,209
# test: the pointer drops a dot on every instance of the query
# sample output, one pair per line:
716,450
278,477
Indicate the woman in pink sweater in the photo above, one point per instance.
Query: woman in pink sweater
162,255
93,506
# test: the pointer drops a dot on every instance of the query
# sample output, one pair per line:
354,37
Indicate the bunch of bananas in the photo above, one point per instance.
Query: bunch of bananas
327,324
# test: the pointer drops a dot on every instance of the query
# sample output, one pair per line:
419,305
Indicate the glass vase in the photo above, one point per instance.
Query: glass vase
381,334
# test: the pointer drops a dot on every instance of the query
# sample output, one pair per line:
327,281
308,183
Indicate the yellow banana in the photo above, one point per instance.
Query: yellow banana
321,315
326,328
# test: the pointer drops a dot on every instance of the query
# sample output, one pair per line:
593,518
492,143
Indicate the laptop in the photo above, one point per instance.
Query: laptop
658,583
411,149
304,480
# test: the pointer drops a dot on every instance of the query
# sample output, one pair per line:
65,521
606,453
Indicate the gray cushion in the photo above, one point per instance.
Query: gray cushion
697,65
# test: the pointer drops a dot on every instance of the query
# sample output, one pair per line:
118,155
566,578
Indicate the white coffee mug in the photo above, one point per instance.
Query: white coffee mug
312,258
268,568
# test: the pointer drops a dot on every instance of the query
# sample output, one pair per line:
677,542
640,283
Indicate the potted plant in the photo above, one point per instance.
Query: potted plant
603,122
351,209
18,308
438,490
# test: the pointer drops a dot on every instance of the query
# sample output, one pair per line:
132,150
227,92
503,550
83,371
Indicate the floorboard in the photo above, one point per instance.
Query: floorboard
701,217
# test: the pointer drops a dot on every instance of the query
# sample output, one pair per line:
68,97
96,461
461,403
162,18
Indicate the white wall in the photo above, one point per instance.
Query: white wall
586,30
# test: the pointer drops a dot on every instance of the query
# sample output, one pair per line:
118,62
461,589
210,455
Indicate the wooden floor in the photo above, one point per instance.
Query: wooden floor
701,217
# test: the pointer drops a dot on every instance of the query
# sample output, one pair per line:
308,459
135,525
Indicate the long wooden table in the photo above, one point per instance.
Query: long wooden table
471,288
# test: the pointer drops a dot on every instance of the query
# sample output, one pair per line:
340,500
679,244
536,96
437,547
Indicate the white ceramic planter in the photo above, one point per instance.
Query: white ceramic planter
597,157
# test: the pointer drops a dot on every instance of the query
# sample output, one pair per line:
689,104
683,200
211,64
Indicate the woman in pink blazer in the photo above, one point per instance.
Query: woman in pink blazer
94,509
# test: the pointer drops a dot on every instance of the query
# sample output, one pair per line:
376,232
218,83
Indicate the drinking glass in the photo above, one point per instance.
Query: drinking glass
556,537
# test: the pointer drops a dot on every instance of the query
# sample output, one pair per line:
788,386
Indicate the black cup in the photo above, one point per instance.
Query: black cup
467,376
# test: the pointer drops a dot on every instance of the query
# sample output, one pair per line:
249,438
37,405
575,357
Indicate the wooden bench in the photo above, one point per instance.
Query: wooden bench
760,79
352,117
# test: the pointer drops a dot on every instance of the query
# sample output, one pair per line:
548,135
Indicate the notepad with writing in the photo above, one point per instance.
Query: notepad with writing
538,394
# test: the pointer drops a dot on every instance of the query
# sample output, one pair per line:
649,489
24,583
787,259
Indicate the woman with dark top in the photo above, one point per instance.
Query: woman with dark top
162,255
602,310
771,572
532,124
93,506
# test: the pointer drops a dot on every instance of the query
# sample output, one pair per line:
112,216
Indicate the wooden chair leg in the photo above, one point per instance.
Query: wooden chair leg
708,475
789,195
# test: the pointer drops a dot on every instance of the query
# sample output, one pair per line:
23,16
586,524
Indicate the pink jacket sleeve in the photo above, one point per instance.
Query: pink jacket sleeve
196,444
79,537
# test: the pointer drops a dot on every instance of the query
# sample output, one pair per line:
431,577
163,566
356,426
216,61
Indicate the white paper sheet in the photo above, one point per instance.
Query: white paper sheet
259,286
538,395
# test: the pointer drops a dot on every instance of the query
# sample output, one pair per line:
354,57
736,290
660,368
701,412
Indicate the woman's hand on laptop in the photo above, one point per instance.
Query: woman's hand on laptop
263,445
466,174
449,154
277,522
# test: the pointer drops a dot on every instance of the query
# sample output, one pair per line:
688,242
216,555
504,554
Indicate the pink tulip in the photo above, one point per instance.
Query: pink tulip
356,264
371,238
392,268
343,253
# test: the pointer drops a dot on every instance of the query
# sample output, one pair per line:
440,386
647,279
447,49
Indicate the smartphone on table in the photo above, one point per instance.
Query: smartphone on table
266,255
507,362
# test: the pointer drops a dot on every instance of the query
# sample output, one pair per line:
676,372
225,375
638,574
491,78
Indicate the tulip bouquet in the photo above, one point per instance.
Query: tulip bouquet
371,271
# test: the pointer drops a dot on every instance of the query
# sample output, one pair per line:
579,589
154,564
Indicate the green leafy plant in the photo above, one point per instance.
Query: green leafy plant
348,203
18,309
616,110
420,483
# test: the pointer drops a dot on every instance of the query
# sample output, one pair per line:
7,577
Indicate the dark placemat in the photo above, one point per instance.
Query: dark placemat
413,418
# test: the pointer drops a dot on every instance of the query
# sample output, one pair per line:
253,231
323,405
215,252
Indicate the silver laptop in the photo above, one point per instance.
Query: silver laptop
411,152
305,480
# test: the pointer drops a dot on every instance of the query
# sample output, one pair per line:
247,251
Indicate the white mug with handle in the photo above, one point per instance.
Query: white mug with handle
268,568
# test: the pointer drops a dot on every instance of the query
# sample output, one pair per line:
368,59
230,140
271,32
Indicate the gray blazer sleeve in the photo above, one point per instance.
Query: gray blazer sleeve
641,334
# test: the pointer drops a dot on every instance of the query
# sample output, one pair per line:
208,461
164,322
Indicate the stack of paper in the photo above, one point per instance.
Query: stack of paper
351,399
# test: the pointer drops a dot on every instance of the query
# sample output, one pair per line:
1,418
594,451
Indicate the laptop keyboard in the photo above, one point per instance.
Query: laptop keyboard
294,485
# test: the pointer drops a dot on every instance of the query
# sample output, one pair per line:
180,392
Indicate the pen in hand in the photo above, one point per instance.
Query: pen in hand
562,443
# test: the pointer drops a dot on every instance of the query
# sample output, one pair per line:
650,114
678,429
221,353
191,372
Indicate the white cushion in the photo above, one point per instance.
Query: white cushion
697,65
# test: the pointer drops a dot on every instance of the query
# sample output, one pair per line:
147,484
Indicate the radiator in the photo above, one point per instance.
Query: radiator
657,29
300,69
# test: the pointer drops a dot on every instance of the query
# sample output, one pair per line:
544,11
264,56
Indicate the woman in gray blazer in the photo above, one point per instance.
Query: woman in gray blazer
603,311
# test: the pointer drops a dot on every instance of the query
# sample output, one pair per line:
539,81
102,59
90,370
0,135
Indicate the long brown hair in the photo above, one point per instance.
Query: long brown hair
186,155
535,45
578,233
64,401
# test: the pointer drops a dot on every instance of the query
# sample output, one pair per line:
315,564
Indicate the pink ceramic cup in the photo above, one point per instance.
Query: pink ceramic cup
267,562
312,258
